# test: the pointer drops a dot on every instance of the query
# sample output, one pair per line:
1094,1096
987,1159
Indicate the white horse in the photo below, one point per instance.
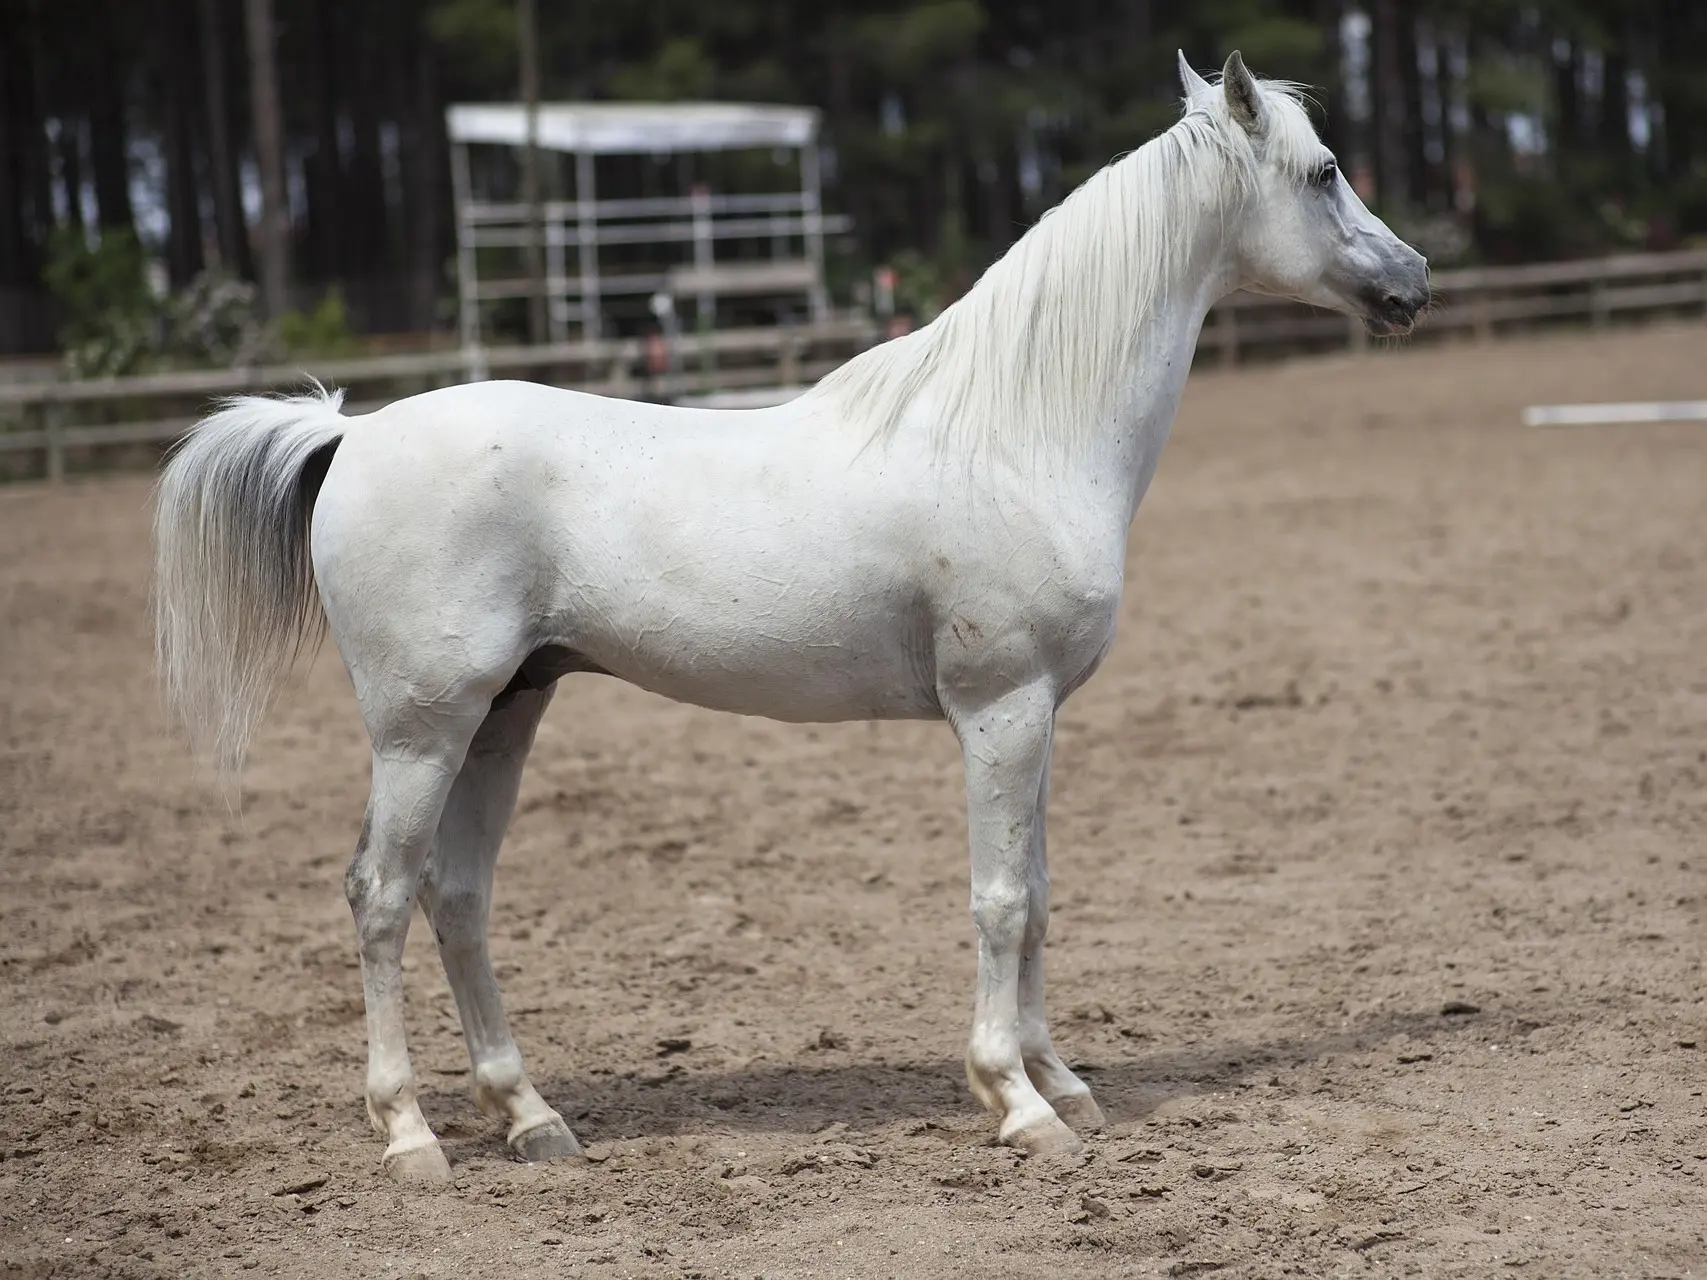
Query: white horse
937,530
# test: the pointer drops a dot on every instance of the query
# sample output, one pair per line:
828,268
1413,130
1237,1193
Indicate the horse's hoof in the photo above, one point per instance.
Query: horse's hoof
423,1166
1047,1137
1079,1112
549,1141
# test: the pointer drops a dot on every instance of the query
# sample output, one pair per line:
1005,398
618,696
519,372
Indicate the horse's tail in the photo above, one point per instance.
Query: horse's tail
234,597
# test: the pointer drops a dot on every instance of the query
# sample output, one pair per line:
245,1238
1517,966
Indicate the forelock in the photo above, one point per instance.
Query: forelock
1290,139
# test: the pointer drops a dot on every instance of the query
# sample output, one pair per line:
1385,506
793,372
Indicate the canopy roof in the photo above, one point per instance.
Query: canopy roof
635,128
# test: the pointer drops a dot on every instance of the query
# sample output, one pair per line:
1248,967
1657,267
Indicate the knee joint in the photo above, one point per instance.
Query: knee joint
1000,914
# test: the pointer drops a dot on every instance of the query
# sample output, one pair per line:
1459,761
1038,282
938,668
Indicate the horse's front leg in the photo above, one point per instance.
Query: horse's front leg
1005,744
1065,1092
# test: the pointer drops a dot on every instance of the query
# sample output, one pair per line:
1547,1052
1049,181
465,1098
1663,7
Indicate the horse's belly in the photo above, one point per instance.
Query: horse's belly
805,638
864,675
818,697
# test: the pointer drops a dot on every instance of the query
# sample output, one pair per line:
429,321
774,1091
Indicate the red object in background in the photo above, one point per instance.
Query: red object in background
657,353
884,300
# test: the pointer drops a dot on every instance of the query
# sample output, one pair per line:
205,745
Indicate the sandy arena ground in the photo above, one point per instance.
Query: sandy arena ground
1379,872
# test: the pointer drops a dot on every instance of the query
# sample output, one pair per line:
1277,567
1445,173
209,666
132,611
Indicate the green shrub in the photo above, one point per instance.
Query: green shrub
115,325
214,320
920,289
324,331
111,319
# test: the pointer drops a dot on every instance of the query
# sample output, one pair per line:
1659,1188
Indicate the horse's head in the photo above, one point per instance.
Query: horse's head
1304,233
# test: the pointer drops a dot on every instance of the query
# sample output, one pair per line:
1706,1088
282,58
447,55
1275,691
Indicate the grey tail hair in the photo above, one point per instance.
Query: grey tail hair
234,597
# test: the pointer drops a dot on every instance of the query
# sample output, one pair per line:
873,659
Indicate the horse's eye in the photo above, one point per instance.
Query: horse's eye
1325,176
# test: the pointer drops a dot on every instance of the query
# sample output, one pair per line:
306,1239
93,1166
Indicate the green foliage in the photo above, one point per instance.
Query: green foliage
324,331
910,44
115,325
481,34
122,344
921,287
680,71
1275,41
214,321
1502,85
949,126
110,316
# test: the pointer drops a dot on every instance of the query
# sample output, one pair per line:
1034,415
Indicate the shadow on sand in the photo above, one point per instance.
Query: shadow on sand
670,1098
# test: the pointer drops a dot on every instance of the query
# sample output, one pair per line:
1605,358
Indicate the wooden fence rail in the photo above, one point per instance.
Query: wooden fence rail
52,418
1479,301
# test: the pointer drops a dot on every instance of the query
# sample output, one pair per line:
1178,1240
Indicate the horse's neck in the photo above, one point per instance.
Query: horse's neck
1123,454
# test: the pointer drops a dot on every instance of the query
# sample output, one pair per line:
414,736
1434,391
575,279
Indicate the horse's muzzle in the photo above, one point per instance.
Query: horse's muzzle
1393,311
1391,308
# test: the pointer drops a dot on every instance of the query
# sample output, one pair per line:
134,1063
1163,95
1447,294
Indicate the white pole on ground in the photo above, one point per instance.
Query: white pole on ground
1573,415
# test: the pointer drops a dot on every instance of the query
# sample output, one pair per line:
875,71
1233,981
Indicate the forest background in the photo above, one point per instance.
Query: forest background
1484,130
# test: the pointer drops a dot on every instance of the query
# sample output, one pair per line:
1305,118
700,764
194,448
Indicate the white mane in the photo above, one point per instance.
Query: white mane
1034,353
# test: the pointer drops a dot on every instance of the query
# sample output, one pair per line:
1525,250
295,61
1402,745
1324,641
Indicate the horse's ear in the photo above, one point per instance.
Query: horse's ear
1189,80
1244,99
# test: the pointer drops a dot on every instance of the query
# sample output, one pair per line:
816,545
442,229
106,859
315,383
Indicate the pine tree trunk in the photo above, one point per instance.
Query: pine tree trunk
1615,119
364,82
18,261
326,253
71,167
1388,92
1567,99
233,234
1452,149
269,155
527,48
1336,132
1415,137
1139,15
32,113
842,124
999,202
108,140
423,160
175,60
1682,43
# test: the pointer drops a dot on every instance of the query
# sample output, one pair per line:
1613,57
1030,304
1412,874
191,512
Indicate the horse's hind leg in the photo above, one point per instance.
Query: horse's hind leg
1061,1089
409,790
457,895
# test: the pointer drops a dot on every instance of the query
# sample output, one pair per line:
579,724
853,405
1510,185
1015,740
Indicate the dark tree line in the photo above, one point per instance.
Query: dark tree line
1486,129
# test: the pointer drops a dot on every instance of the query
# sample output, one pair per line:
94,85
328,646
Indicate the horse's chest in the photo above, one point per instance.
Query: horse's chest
1055,618
1079,618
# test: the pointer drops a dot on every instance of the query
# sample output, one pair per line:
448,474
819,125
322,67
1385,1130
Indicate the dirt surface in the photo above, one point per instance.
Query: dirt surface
1380,886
